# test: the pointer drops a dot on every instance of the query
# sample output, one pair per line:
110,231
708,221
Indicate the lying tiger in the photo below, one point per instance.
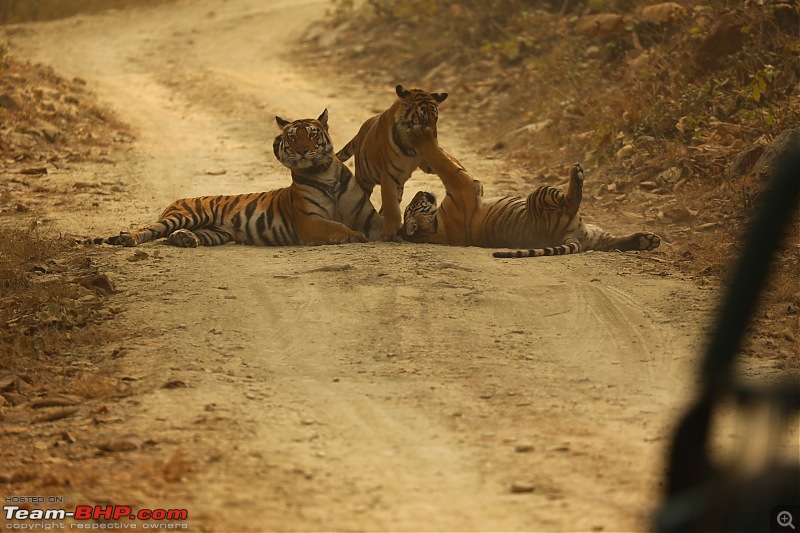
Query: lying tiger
547,222
383,155
323,205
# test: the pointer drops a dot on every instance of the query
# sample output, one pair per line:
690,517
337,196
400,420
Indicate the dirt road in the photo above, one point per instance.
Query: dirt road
375,386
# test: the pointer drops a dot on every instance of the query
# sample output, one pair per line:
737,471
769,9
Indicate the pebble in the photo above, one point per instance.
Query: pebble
116,446
522,487
625,152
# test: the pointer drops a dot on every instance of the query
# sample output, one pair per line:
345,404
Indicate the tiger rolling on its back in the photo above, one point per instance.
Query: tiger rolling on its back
323,204
547,222
383,155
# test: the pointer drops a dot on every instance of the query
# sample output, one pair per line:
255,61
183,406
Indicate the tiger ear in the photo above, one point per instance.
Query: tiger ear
276,146
282,122
401,91
323,118
439,97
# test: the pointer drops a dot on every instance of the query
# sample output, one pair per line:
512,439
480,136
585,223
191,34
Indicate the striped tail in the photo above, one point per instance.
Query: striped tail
564,249
114,241
345,153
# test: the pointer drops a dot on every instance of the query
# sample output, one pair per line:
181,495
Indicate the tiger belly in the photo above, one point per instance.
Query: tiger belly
264,226
508,222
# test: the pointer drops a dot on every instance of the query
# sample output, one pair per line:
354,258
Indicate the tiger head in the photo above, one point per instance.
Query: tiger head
416,107
420,220
304,144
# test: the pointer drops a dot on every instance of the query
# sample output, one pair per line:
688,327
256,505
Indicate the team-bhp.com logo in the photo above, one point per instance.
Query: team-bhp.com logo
113,517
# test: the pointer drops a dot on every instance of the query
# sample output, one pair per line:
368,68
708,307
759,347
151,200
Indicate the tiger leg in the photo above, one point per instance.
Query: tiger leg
316,231
575,190
391,195
355,210
163,228
454,176
185,238
457,181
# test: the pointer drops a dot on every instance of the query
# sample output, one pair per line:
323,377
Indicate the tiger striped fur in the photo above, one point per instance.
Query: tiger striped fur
547,222
323,204
383,154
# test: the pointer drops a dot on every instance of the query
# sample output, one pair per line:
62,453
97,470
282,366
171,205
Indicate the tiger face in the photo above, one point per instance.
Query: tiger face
304,144
420,218
418,108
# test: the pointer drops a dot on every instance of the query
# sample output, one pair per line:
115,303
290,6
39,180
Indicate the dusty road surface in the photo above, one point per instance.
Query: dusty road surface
375,386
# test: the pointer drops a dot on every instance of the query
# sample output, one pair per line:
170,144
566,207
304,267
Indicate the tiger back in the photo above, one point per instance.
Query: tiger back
323,204
383,155
546,222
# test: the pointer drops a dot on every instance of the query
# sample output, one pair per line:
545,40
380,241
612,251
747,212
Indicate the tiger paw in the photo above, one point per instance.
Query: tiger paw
577,172
395,237
127,239
649,241
357,236
184,238
345,238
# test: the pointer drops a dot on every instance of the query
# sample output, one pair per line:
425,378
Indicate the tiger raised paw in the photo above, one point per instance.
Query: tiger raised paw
383,154
323,205
547,222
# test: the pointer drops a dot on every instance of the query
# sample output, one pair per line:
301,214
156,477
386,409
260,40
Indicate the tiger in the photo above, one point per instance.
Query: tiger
383,154
545,223
323,204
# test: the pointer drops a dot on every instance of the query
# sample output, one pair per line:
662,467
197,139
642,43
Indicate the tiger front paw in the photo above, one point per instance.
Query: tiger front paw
345,238
394,237
357,236
184,238
649,241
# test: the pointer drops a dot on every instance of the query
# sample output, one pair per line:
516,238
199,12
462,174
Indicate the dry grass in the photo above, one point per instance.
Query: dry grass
53,331
44,314
103,477
53,314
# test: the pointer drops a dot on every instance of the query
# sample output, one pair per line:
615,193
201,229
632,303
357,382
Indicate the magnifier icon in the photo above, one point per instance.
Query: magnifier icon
785,519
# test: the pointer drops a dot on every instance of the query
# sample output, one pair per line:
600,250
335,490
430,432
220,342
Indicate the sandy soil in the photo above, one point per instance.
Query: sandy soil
373,386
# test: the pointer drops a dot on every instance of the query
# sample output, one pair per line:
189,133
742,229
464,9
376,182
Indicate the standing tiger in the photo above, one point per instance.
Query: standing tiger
383,155
320,206
547,222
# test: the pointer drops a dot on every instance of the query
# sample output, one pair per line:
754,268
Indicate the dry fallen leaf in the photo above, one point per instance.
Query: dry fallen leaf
57,414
